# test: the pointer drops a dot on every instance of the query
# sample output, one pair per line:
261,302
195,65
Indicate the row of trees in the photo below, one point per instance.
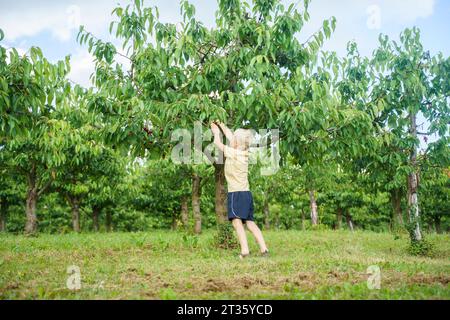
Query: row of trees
349,125
160,194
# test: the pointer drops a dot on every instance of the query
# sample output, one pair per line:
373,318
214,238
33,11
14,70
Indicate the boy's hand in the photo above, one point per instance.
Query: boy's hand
215,129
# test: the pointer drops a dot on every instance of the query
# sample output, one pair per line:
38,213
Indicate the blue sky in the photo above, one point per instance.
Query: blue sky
53,25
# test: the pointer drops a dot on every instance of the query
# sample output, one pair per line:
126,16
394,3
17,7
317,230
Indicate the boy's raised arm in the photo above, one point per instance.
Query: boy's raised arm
217,139
228,133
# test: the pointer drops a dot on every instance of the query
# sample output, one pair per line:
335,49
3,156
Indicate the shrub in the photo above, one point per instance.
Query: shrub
225,237
421,248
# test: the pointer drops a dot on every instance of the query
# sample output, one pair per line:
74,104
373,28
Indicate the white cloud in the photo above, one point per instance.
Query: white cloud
61,18
355,20
401,11
25,18
392,11
28,23
81,67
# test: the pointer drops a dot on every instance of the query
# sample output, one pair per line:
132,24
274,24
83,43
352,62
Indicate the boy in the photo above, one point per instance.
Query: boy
240,199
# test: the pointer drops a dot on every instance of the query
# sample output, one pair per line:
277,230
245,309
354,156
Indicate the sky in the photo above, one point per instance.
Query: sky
53,24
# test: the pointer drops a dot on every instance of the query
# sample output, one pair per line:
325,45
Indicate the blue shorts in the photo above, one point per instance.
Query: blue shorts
240,206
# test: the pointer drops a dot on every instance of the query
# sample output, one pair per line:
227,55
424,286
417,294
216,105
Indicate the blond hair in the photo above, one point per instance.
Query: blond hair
243,138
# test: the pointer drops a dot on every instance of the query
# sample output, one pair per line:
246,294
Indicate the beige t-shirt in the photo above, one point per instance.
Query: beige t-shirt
236,169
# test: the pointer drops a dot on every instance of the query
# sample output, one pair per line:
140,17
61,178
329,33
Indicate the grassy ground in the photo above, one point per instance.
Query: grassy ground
168,265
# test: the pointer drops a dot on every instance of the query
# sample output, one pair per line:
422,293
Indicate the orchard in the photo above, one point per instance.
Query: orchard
350,152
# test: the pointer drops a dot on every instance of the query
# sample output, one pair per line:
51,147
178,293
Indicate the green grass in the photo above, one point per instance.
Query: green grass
166,265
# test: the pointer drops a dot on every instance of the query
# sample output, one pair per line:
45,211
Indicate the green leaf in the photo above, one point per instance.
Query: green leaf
137,3
111,26
326,28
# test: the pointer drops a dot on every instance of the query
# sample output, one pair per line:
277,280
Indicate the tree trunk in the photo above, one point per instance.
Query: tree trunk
313,205
348,217
303,218
95,216
408,212
31,224
75,207
277,220
185,212
396,200
31,203
266,213
108,221
437,224
174,222
221,194
3,213
339,218
196,180
413,202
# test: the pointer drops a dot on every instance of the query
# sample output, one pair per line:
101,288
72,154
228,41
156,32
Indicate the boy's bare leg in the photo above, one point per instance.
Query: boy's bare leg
239,227
258,235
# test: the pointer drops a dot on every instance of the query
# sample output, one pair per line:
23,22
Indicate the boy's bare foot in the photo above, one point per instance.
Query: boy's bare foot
265,253
243,256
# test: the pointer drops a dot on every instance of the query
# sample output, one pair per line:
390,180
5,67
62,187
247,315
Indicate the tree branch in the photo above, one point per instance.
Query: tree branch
45,187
